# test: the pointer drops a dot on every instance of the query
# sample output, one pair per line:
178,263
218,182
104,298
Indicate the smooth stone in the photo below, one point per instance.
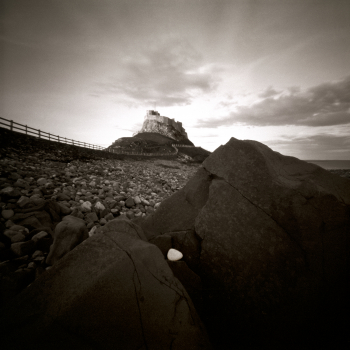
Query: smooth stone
37,237
63,197
7,213
137,200
23,201
19,237
42,181
174,255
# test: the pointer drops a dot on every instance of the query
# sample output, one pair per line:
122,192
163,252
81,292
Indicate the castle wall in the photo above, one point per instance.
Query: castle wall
154,115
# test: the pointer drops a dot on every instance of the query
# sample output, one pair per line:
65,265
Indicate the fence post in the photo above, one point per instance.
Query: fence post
11,126
58,138
26,129
39,133
73,142
49,137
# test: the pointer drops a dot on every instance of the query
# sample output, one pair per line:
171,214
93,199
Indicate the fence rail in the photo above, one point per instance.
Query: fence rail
13,126
118,151
180,145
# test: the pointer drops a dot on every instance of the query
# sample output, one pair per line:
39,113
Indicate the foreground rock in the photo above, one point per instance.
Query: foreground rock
269,237
113,291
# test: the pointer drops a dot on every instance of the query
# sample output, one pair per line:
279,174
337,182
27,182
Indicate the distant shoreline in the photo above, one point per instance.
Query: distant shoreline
331,164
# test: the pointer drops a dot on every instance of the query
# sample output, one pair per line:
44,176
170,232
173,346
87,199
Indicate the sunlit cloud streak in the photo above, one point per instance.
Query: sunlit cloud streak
323,105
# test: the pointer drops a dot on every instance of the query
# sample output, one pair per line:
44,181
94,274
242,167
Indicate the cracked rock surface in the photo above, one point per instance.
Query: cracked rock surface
269,237
113,291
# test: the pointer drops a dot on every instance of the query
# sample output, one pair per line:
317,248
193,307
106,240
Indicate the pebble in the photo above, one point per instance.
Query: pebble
7,214
99,206
85,207
174,255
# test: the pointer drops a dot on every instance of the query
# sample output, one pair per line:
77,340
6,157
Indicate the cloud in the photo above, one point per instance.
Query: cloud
168,73
269,92
323,105
324,145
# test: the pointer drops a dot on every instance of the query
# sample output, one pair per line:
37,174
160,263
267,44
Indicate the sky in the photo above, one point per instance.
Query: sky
274,71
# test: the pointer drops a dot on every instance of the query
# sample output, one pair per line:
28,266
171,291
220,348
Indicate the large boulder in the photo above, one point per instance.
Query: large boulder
114,291
70,232
269,237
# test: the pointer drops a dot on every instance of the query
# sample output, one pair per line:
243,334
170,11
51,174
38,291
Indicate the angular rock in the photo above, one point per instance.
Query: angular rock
272,237
86,207
114,291
109,217
70,232
91,217
64,210
34,219
129,202
23,248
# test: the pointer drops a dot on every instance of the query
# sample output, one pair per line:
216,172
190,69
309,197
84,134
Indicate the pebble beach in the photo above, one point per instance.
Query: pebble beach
40,185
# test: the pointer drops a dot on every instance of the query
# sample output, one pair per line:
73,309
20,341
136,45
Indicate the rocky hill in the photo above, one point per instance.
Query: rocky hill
160,136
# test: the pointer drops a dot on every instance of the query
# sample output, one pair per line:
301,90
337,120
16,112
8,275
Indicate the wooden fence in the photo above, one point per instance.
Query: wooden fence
179,145
13,126
148,154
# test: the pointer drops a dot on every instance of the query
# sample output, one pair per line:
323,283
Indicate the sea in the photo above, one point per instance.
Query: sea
331,164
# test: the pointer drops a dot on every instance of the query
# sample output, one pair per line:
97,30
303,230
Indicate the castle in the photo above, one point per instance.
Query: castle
155,116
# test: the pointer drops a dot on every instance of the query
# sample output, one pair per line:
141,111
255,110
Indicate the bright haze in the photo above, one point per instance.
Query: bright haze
275,71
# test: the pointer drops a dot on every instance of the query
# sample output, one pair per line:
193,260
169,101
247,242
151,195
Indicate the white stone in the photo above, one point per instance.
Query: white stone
86,206
92,231
99,206
174,255
144,201
137,200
